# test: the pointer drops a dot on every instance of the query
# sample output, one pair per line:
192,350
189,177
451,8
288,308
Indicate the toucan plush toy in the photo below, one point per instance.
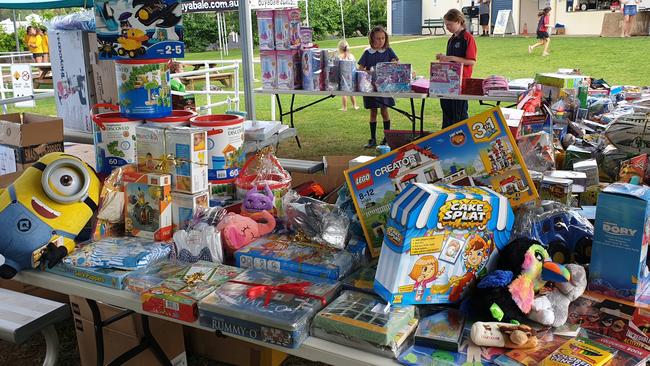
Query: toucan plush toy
509,292
44,210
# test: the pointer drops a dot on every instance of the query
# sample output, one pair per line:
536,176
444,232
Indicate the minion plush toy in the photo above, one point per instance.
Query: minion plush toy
44,210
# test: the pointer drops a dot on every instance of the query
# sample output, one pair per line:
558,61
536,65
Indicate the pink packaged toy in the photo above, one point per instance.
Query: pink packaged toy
265,29
288,70
446,78
268,61
287,29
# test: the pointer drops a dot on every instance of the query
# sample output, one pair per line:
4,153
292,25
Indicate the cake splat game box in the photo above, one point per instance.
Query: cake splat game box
438,240
479,151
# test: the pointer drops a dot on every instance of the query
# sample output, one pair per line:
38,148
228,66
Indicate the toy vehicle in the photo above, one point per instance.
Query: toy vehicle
151,11
565,235
143,213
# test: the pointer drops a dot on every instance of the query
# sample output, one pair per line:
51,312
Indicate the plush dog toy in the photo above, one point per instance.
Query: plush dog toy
44,210
493,334
522,269
238,231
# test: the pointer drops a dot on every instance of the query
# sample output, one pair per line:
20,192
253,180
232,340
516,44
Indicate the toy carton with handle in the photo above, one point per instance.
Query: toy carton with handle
620,249
479,151
438,240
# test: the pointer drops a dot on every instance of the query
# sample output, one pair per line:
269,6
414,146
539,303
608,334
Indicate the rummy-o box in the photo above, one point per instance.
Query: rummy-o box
479,151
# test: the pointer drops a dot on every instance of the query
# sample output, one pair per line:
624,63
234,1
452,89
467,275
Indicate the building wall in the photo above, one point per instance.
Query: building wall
435,9
579,22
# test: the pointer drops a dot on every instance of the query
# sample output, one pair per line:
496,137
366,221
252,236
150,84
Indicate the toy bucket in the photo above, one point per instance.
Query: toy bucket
179,118
143,88
114,138
225,145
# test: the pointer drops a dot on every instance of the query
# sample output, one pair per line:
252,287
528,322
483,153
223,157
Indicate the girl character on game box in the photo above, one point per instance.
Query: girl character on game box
425,270
476,255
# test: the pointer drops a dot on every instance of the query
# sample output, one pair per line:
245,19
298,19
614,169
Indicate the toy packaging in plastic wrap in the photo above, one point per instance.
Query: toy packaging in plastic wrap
479,151
281,254
110,214
438,240
363,81
266,306
287,29
268,62
185,205
537,150
152,275
392,77
177,297
362,316
266,30
311,69
148,205
149,30
442,330
630,132
322,222
118,253
635,167
620,250
556,189
445,78
330,66
288,70
361,280
579,351
346,73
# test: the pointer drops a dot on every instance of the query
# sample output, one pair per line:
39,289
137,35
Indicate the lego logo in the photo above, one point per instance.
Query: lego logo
362,179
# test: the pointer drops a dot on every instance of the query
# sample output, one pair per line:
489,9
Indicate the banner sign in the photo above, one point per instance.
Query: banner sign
197,6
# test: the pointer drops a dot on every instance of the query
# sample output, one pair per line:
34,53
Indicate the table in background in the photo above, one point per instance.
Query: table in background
482,99
313,349
413,116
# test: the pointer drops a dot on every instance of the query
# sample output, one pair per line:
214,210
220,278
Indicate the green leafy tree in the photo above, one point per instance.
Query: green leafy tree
200,31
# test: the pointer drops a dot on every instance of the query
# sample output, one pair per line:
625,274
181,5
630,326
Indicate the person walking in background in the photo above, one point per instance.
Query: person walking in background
345,54
543,28
461,48
35,44
379,51
484,16
45,46
629,9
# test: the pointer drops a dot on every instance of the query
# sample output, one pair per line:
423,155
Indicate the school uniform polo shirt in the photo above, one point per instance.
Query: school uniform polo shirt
463,46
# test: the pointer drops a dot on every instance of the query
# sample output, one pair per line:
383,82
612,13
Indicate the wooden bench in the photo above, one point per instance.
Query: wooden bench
434,24
225,79
24,315
44,76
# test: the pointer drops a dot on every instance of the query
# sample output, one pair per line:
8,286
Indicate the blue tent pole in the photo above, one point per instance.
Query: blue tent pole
16,32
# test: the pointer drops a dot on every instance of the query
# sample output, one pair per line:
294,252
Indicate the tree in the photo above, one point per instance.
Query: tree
200,31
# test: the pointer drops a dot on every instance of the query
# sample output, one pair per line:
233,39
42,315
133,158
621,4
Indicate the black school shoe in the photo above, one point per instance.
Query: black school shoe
371,143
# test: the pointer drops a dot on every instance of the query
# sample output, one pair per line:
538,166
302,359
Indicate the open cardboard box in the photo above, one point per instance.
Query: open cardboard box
331,178
27,129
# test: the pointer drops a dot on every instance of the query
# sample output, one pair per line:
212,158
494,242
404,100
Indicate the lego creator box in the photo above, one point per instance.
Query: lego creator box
269,307
438,239
392,77
185,205
281,254
148,211
479,151
620,249
178,296
445,78
188,149
143,29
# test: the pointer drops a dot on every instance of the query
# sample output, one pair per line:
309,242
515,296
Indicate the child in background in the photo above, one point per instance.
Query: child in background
44,44
543,28
34,43
345,54
176,84
379,51
461,48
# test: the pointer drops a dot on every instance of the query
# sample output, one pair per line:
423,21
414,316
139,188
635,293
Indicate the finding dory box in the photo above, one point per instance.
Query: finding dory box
139,29
479,151
438,240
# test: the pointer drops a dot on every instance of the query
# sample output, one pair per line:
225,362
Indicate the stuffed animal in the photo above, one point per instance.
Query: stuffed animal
44,210
553,308
256,201
238,231
508,293
493,334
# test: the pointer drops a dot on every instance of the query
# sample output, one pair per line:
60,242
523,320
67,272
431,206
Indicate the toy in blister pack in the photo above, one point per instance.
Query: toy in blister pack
567,235
140,29
537,150
479,151
438,240
393,77
321,222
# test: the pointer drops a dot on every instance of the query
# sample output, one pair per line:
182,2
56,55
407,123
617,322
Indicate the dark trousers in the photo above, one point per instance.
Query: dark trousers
453,111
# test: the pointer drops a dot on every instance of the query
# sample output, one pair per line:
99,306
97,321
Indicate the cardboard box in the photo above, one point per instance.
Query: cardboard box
123,335
561,81
27,129
331,178
31,154
148,205
445,78
103,72
479,151
184,205
620,248
241,353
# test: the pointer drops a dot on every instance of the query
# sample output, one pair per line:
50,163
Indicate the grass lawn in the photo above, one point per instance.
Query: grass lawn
324,130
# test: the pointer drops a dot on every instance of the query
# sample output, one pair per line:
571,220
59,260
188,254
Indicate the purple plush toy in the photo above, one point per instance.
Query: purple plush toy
256,201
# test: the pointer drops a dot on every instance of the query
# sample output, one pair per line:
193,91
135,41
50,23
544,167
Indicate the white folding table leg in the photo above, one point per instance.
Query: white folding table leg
52,344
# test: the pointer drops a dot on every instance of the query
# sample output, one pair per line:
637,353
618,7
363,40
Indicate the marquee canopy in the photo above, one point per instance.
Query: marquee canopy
44,4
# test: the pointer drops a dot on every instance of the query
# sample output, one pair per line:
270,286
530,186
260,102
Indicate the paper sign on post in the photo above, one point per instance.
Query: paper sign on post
21,82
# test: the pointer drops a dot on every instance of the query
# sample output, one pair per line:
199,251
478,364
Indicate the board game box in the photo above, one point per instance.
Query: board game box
479,151
442,330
